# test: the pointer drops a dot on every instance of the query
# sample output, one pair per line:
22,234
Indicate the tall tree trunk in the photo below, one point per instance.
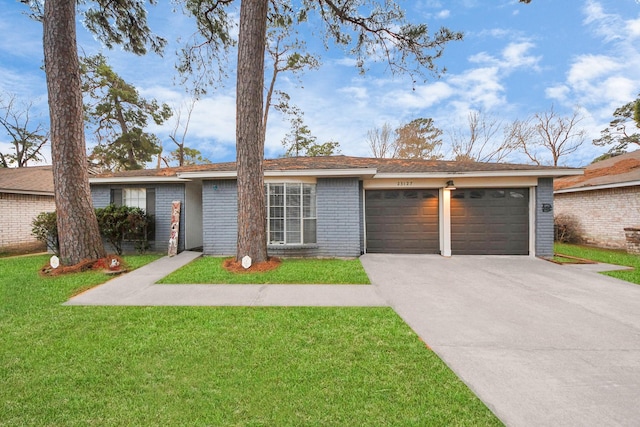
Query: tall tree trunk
77,225
252,235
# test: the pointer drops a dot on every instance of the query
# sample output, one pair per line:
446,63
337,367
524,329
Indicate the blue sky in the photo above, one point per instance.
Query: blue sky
515,60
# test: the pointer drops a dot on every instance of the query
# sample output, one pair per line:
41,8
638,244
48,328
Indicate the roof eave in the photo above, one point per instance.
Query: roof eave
27,192
319,173
136,179
552,173
597,187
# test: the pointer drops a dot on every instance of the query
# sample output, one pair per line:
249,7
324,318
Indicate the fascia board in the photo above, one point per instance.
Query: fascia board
598,187
27,192
137,180
284,173
484,174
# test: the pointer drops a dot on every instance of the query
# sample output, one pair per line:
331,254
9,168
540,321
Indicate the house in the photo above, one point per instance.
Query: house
343,206
24,193
603,201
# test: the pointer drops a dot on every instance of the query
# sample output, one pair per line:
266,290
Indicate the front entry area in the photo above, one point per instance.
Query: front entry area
402,221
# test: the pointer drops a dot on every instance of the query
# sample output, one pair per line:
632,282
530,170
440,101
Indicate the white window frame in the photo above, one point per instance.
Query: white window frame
135,198
312,213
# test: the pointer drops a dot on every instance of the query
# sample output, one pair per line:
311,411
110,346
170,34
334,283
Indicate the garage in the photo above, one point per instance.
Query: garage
402,221
491,221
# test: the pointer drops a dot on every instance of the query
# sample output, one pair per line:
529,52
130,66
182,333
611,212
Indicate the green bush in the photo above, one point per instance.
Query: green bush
120,223
116,224
45,228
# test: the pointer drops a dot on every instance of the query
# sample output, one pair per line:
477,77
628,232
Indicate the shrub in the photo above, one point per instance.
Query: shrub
566,229
120,223
45,229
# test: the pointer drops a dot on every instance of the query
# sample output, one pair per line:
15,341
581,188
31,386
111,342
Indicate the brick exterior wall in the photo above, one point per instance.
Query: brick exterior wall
544,220
602,215
339,217
18,212
338,223
165,194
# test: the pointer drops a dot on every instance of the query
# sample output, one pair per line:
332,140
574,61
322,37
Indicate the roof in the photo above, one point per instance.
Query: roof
36,180
619,171
342,166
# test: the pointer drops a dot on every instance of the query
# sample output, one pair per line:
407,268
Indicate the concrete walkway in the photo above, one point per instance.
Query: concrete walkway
138,288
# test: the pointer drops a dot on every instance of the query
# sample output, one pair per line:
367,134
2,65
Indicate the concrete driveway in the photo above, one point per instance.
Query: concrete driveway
541,344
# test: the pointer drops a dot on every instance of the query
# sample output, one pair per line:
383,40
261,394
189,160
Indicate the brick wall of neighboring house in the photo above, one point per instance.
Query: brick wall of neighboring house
602,215
18,212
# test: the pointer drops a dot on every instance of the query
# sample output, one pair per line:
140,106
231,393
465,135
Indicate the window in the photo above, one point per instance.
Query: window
135,198
291,213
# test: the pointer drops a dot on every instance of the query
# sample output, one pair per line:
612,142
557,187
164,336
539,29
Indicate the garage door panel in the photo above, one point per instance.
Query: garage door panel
402,221
491,221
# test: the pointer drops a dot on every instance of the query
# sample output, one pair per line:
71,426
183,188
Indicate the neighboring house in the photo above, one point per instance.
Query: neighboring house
24,193
604,201
345,206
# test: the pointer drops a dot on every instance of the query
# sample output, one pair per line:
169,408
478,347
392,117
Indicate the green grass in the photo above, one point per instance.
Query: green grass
270,366
291,271
608,256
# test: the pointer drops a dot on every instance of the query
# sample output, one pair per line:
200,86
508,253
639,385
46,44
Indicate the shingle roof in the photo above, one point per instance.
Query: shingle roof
616,171
29,180
341,162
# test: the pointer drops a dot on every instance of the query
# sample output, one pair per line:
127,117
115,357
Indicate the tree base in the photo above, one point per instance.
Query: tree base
234,266
105,264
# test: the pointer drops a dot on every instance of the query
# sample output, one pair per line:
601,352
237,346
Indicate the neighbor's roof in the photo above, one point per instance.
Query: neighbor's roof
343,166
619,171
36,180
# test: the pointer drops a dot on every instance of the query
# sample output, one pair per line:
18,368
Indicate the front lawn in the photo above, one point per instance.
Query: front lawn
291,271
271,366
609,256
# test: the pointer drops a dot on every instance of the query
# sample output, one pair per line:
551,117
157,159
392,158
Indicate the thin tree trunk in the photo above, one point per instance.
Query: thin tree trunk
252,238
77,225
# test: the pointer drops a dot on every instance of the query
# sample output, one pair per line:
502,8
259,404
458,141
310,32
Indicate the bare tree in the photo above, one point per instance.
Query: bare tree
179,140
547,137
481,143
381,142
286,54
27,139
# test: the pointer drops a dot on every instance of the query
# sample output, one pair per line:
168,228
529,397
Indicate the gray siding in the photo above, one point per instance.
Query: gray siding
339,217
544,220
165,194
220,217
100,195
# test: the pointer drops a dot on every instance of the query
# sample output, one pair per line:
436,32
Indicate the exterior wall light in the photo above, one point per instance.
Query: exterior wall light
450,185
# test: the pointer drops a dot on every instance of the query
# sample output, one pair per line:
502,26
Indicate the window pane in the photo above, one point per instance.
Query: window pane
309,231
135,198
309,201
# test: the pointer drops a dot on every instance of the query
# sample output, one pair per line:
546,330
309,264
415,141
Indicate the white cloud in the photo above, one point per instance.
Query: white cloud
443,14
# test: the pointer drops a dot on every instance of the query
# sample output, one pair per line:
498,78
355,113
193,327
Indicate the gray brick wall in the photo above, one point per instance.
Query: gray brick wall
165,195
101,195
220,217
339,217
544,220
